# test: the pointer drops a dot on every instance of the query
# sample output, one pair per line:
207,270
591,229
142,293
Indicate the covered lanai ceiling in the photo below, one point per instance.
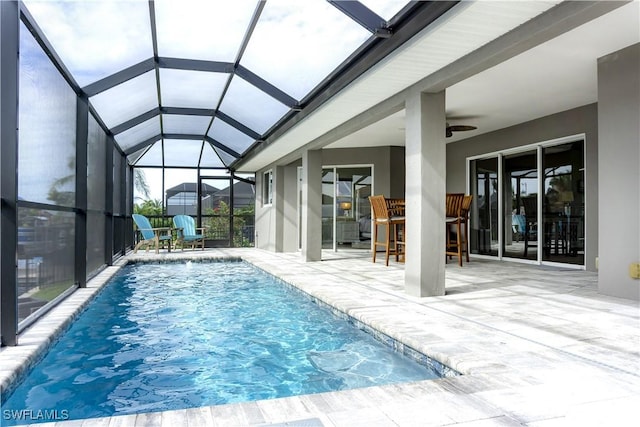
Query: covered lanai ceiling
501,63
198,83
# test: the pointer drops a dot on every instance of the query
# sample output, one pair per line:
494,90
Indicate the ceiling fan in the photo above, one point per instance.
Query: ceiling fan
458,128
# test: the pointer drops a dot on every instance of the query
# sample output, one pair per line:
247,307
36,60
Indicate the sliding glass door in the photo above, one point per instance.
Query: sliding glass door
484,208
328,207
346,212
563,203
520,191
529,204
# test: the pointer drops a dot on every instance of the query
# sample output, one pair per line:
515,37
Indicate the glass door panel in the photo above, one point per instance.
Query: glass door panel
346,212
328,202
353,220
563,203
520,205
484,209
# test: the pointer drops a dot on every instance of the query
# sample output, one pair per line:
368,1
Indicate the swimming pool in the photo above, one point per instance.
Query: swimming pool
173,336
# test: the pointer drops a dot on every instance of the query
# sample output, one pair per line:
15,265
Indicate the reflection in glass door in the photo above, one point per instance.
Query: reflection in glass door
520,205
484,208
563,203
353,209
346,212
537,197
328,181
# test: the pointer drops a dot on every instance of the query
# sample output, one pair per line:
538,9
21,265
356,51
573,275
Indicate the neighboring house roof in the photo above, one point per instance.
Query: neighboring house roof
190,187
240,189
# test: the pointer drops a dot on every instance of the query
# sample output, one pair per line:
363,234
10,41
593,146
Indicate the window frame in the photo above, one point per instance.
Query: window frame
267,188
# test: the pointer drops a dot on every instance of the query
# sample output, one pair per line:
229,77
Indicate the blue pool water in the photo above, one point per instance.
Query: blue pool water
174,336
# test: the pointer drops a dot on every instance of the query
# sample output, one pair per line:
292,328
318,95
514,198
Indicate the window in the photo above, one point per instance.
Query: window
267,188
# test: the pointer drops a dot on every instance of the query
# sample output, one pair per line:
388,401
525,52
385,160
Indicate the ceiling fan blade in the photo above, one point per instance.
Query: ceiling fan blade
460,128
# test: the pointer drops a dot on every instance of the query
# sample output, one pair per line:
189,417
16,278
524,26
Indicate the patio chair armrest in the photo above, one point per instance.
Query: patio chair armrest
162,230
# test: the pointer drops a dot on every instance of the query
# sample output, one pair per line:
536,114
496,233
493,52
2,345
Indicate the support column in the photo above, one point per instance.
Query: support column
618,192
82,130
425,153
312,205
123,202
278,203
9,33
108,204
290,214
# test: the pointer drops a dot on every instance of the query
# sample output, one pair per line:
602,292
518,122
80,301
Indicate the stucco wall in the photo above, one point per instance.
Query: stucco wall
582,120
265,214
619,179
388,166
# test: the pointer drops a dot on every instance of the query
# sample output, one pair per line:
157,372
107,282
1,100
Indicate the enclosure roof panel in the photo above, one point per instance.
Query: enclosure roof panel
297,44
95,38
204,80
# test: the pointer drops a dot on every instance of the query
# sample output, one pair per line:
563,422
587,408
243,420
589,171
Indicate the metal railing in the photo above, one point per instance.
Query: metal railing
217,228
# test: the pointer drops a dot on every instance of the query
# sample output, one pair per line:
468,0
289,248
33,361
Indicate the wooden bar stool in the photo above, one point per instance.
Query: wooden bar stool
382,215
457,216
395,207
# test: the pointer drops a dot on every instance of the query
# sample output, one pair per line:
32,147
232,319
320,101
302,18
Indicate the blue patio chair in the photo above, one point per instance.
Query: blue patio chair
152,236
518,225
188,234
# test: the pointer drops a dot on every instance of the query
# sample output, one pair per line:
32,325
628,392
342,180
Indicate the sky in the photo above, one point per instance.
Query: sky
295,45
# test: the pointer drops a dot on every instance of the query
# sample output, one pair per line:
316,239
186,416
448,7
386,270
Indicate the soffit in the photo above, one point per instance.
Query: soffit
554,76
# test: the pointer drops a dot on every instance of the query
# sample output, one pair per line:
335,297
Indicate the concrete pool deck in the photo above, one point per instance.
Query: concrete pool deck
536,346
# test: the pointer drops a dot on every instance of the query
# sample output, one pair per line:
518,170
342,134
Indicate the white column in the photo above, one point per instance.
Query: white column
312,205
618,186
290,214
425,194
278,204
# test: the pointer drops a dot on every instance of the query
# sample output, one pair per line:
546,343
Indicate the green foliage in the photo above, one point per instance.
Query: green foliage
50,292
153,210
217,223
148,208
